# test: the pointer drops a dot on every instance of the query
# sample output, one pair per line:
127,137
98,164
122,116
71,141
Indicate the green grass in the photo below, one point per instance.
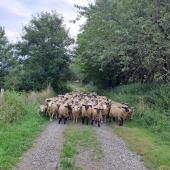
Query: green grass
18,137
20,123
149,132
75,138
154,151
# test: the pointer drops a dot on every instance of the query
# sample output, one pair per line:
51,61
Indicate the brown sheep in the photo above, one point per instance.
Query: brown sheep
120,114
63,112
96,115
76,111
86,112
52,110
105,110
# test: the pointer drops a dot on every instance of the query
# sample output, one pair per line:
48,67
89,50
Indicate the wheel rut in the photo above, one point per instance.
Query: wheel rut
116,155
45,152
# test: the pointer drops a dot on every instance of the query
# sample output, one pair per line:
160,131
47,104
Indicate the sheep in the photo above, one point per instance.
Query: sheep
63,112
96,115
105,110
120,113
76,111
86,112
89,106
43,109
52,110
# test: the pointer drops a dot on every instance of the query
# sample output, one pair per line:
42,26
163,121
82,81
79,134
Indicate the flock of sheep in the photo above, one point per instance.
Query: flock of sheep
87,107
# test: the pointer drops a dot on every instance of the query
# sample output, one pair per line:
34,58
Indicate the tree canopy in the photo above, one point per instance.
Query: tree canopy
124,41
43,52
7,59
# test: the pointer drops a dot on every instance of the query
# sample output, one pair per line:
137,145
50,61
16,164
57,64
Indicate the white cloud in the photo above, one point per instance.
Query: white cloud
16,8
16,13
80,2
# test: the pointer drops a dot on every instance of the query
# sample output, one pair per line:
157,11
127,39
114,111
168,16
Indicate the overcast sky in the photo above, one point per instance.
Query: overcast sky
14,14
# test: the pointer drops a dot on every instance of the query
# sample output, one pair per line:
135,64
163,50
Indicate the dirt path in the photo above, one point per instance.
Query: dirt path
44,154
117,156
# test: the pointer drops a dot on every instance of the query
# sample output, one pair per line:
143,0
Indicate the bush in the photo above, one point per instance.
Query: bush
16,105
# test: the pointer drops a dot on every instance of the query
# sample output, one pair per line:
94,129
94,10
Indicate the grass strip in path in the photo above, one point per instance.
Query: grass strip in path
76,139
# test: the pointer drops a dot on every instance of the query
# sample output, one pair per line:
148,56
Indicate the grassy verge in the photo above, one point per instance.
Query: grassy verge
75,138
149,132
16,138
154,151
20,123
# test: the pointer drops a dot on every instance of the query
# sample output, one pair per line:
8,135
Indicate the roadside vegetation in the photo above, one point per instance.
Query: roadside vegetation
148,133
75,139
122,52
20,123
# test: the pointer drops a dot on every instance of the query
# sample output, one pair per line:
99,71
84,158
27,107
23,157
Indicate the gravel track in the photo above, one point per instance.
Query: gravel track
117,156
45,152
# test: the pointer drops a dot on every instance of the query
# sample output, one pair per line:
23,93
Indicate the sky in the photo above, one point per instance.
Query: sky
14,14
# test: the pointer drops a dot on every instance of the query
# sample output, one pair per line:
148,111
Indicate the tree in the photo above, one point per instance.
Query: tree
44,52
7,59
124,41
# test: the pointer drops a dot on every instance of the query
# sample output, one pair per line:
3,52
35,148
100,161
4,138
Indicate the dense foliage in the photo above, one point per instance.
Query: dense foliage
7,59
124,41
44,52
41,57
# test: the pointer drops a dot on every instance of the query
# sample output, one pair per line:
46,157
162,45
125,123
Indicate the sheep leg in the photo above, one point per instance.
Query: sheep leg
98,123
50,117
92,122
73,120
87,120
65,120
82,120
104,118
121,122
59,120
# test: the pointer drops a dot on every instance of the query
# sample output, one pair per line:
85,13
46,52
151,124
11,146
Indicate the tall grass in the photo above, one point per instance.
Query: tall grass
20,122
16,105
